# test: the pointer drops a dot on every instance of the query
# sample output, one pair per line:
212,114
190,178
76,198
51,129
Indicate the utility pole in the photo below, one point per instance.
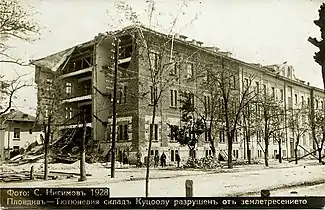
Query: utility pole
83,148
116,57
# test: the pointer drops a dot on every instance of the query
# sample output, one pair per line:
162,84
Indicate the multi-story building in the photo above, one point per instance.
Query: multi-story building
85,74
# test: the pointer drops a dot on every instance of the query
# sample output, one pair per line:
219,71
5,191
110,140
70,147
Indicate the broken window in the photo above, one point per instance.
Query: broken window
189,70
16,133
68,88
154,132
173,98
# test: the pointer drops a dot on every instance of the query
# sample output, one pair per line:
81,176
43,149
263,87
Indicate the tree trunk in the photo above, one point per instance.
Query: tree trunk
213,148
46,147
46,161
280,151
266,153
320,154
149,149
83,151
230,163
248,148
296,156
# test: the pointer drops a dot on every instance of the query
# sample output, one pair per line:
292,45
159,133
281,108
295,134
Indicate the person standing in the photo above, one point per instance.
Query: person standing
156,160
163,160
178,159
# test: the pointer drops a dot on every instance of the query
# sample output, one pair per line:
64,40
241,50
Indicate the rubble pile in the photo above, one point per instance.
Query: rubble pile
9,175
245,162
203,163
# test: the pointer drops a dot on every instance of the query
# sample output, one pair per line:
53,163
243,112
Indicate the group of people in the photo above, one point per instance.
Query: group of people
163,160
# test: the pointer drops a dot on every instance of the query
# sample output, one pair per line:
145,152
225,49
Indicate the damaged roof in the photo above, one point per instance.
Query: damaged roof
54,61
18,116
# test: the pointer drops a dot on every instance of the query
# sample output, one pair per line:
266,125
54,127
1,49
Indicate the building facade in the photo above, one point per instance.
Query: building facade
85,74
18,132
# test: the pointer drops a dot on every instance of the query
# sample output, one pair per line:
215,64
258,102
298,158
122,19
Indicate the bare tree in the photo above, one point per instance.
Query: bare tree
233,98
269,110
317,126
248,124
15,23
299,127
279,133
8,89
49,97
156,50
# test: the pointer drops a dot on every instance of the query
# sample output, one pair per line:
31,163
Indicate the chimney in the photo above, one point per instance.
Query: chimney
182,37
199,43
308,83
193,42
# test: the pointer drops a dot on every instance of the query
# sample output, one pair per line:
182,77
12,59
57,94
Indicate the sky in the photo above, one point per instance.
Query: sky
255,31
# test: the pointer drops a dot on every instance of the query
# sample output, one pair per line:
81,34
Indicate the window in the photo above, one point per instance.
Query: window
173,132
189,70
206,75
321,105
190,97
302,101
16,133
173,98
257,87
173,155
153,95
264,89
125,88
235,153
236,137
208,153
46,110
275,152
246,83
154,152
233,82
296,99
222,136
173,67
308,101
206,134
284,152
259,153
122,95
258,136
68,88
87,89
123,132
281,93
154,60
154,132
289,72
316,104
68,112
16,147
289,102
273,92
207,102
49,84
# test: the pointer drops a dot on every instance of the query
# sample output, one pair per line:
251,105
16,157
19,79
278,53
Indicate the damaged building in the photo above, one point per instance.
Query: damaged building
85,74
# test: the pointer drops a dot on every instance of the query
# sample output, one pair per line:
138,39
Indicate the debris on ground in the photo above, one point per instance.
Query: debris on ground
203,163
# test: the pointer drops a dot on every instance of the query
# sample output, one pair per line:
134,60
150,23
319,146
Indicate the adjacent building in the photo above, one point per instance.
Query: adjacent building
18,131
85,74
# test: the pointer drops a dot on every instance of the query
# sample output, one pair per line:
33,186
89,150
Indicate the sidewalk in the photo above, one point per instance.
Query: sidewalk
167,182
